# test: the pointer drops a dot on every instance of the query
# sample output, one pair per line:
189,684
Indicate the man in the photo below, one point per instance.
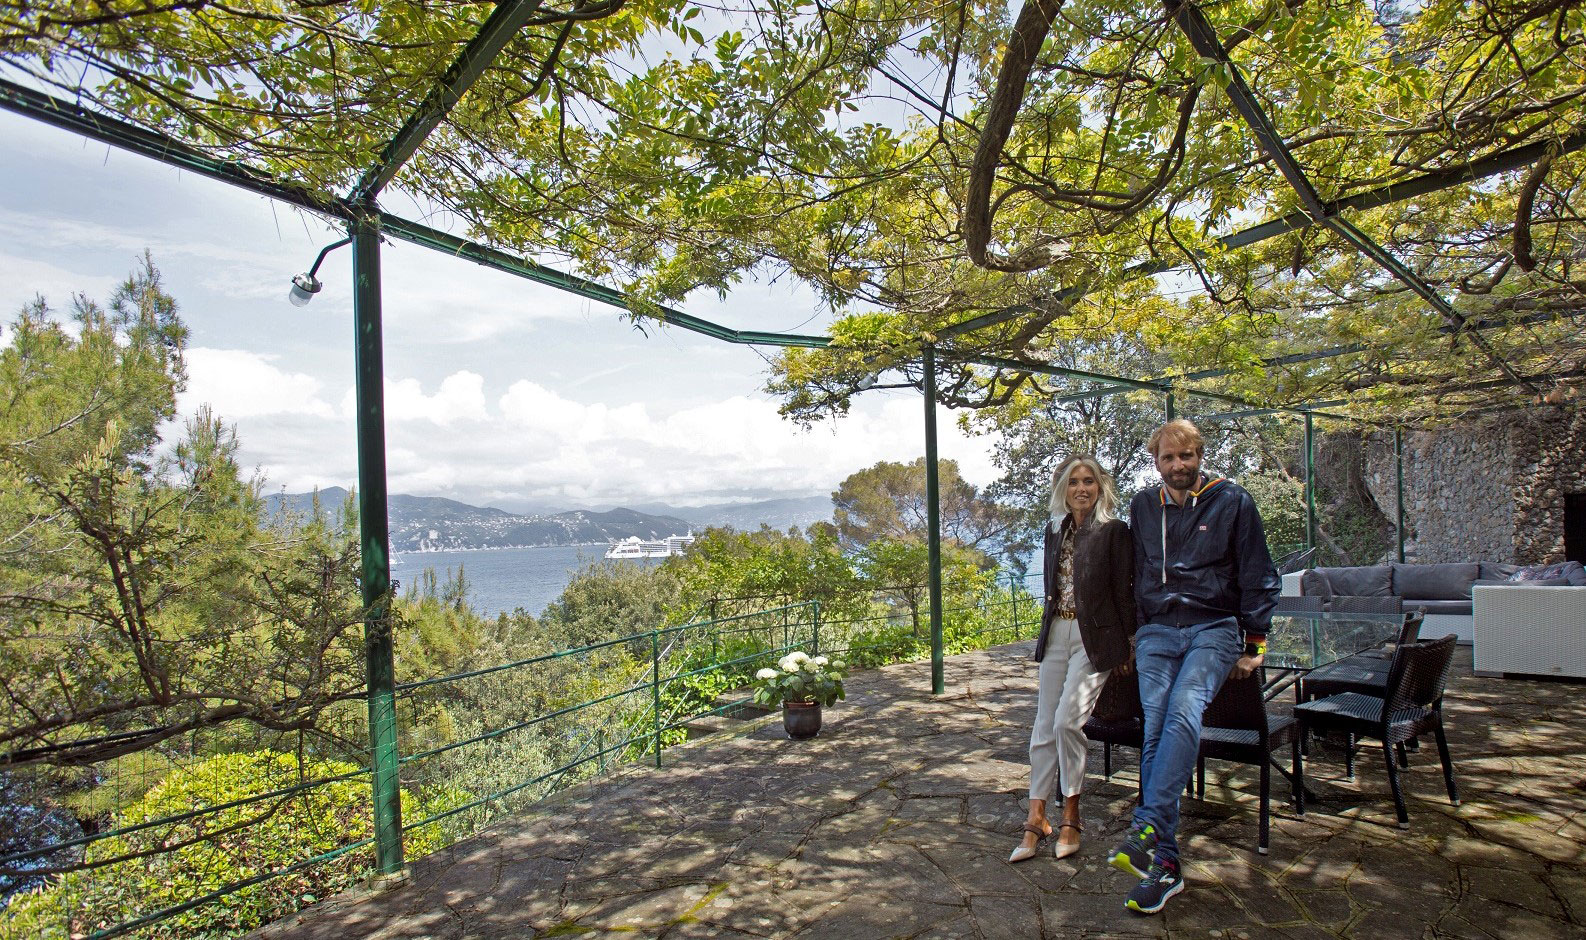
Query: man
1205,587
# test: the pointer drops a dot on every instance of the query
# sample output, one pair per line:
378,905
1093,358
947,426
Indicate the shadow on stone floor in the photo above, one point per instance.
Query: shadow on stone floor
897,822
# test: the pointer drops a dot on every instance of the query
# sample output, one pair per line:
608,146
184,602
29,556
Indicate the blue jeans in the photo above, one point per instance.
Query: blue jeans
1180,669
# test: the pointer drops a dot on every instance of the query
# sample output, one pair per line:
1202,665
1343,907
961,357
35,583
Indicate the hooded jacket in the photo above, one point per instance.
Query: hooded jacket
1202,561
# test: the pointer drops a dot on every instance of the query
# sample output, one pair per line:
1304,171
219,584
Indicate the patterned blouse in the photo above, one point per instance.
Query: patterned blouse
1065,571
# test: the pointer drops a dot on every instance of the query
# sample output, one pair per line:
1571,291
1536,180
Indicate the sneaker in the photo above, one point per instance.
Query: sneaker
1160,883
1133,855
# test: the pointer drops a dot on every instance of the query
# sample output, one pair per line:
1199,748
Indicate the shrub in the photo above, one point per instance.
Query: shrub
292,829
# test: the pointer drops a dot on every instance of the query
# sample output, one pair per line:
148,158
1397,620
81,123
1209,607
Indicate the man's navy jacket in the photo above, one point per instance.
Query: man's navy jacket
1208,562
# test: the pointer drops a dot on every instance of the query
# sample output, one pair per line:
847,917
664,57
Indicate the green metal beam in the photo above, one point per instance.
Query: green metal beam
1043,368
933,521
1205,42
375,543
1170,406
493,36
79,120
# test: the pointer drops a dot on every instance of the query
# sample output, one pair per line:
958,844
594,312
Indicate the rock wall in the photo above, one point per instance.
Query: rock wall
1491,490
1550,462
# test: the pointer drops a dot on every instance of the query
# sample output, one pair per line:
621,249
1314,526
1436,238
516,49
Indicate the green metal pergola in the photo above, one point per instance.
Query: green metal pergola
366,222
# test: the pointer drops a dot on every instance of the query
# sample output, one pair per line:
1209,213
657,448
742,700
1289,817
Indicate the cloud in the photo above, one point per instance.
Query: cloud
460,398
238,384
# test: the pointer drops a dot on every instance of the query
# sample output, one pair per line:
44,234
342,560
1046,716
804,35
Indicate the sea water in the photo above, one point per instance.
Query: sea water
501,580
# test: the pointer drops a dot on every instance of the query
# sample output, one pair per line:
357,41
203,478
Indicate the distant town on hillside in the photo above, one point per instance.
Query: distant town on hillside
433,523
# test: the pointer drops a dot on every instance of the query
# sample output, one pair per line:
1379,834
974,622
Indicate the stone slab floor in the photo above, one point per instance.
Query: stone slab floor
897,822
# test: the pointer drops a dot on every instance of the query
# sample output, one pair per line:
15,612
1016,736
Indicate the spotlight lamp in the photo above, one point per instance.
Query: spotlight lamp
305,286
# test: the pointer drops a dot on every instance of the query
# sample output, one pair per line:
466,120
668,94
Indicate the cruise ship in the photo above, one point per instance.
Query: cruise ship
635,547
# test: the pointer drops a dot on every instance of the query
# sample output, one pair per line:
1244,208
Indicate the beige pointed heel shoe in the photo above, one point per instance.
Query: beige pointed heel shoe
1028,851
1065,849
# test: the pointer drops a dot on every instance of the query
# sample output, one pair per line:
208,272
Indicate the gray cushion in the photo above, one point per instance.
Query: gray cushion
1538,582
1456,608
1445,582
1364,581
1493,571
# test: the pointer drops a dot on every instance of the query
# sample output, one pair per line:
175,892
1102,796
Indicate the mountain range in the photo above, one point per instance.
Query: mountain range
433,523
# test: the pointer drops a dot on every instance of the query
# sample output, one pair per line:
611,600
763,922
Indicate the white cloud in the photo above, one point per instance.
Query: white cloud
241,384
460,397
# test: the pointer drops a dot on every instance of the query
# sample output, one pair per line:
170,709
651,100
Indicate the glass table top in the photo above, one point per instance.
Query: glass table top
1304,639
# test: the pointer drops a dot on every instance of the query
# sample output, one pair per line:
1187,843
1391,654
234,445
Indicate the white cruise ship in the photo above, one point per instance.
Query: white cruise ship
635,547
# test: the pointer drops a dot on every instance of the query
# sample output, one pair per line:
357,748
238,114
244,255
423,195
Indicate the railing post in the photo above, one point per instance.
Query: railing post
655,689
815,624
933,514
1013,597
1170,406
374,544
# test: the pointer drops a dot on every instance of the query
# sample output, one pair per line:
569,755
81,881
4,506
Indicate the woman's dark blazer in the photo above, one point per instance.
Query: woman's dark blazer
1104,581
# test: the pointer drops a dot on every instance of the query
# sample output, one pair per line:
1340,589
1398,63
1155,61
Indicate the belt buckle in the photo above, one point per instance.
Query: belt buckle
1068,614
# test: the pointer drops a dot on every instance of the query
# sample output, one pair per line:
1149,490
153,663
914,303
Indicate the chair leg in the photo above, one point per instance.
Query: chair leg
1200,778
1106,759
1298,771
1349,756
1393,781
1404,758
1266,806
1448,763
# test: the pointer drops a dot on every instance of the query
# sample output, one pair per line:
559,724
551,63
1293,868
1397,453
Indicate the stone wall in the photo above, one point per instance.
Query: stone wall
1492,490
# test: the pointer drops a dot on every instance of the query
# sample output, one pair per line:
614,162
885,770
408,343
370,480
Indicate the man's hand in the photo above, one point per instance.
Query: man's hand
1246,665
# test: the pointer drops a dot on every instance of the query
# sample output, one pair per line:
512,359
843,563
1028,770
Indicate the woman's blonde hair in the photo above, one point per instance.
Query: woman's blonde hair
1106,501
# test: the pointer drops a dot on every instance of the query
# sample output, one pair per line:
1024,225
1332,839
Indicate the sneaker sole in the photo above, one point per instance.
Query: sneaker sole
1142,909
1120,861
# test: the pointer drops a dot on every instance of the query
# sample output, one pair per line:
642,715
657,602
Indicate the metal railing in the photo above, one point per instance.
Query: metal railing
518,732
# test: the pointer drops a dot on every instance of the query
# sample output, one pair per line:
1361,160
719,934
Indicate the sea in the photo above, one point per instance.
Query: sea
502,580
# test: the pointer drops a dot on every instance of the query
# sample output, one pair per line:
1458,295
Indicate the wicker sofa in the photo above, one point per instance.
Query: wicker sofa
1442,591
1524,628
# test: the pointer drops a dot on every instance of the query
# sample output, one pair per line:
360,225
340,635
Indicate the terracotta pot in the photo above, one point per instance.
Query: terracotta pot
801,720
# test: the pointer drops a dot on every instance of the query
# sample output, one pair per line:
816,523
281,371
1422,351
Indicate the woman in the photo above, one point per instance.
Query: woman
1087,630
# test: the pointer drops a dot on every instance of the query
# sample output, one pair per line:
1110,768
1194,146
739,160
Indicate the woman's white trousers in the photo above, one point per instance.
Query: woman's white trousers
1064,699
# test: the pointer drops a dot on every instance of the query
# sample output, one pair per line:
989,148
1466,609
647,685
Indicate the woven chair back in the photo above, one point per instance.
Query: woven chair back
1119,700
1238,706
1419,673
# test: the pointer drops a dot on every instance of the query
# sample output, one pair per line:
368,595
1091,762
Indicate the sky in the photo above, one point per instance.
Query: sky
499,391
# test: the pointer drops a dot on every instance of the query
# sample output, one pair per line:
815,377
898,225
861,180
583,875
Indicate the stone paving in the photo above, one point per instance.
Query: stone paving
897,822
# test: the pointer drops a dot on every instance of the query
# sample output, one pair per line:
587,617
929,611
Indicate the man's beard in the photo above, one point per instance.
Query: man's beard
1181,480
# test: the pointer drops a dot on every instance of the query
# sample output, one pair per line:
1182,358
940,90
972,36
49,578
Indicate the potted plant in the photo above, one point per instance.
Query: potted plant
801,684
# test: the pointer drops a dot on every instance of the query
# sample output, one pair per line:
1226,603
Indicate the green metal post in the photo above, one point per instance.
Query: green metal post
655,689
1013,596
1310,484
1398,502
933,515
1172,411
374,541
816,625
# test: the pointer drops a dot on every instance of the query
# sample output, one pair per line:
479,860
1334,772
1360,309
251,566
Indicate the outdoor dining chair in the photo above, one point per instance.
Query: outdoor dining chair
1410,706
1365,672
1237,727
1118,718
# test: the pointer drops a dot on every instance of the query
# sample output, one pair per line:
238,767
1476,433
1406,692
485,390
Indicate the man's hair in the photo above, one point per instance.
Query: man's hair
1177,433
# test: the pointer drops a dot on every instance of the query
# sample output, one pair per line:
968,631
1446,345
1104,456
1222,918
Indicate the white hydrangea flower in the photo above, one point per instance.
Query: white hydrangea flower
766,674
811,665
798,656
839,664
820,660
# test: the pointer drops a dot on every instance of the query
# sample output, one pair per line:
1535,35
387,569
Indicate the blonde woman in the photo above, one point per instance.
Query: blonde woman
1087,628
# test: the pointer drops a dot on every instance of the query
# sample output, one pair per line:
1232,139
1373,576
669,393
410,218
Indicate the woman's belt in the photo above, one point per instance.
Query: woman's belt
1068,614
